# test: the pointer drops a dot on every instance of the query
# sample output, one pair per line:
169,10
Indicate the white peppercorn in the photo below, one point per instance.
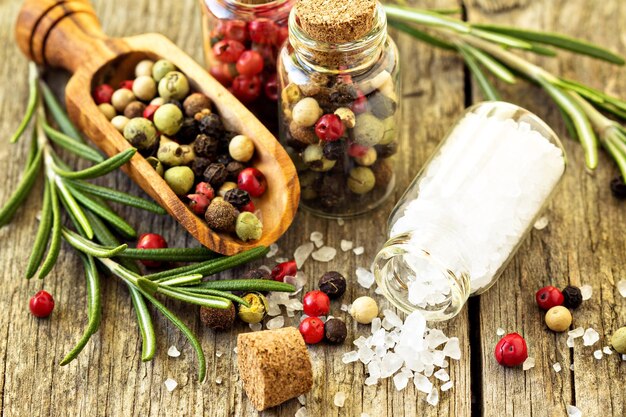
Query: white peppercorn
144,87
144,68
119,123
364,310
121,98
241,148
306,112
347,116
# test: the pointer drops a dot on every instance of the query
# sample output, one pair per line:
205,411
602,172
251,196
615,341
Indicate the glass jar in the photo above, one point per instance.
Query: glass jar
469,209
241,44
339,110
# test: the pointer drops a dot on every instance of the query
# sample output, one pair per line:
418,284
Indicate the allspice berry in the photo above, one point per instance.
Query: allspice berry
134,109
335,331
221,216
618,340
558,319
218,319
195,103
333,284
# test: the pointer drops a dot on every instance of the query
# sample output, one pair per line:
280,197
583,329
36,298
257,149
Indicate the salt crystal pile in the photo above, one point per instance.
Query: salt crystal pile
590,337
477,197
621,287
404,351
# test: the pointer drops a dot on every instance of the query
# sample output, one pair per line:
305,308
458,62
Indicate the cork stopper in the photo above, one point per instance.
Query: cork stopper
336,21
274,366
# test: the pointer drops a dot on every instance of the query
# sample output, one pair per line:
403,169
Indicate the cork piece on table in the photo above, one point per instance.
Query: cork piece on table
336,21
274,366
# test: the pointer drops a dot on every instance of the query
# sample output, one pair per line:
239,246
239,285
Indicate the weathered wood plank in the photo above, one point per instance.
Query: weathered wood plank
582,245
108,379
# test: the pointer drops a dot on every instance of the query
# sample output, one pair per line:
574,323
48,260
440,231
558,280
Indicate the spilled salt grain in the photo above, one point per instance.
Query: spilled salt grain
607,350
218,380
170,384
570,342
173,352
340,399
586,291
529,363
301,254
364,277
624,356
621,287
218,353
359,251
235,350
255,327
571,367
590,337
500,331
316,236
400,381
445,387
597,354
433,397
273,251
541,223
557,367
281,260
350,357
442,375
275,323
324,254
301,412
341,222
573,411
577,332
346,245
302,399
344,307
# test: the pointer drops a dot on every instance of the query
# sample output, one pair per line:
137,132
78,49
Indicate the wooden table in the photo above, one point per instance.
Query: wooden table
583,244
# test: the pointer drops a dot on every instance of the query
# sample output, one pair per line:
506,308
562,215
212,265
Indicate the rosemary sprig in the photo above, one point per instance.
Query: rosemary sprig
490,48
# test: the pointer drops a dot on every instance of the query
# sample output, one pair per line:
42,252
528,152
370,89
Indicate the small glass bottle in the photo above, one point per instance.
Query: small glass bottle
339,82
242,40
469,209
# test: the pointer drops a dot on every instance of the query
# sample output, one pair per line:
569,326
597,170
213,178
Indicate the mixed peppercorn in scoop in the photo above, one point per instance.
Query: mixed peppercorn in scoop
186,143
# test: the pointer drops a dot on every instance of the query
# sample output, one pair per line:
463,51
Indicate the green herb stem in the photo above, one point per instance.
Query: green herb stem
43,233
118,196
100,169
90,248
22,190
33,99
247,285
55,240
70,144
216,293
170,254
58,114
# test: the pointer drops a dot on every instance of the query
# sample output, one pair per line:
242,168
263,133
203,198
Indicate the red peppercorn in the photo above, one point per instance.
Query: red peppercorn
127,84
316,303
262,31
312,330
198,203
271,88
151,241
549,297
329,127
41,304
253,181
281,35
223,73
511,350
236,30
360,104
103,93
148,112
357,151
248,207
247,88
228,50
284,269
205,189
250,63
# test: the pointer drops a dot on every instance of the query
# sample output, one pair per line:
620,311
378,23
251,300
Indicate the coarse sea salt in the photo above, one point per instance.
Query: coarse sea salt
173,352
255,327
557,367
365,277
170,384
485,185
359,250
340,399
302,253
529,363
302,399
500,331
272,251
621,287
586,291
218,380
590,337
607,350
301,412
275,323
346,245
572,411
541,223
324,254
597,354
445,387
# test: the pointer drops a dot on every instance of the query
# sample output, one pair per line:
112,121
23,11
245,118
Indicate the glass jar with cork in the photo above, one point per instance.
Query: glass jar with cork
242,39
467,212
339,85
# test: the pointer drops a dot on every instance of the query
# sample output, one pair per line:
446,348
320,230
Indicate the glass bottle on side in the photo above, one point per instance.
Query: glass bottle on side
339,87
467,212
241,45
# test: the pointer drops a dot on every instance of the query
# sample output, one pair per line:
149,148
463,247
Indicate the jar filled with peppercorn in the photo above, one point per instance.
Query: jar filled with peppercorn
339,89
242,40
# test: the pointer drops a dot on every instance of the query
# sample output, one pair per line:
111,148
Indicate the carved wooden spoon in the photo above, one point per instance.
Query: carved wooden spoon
67,34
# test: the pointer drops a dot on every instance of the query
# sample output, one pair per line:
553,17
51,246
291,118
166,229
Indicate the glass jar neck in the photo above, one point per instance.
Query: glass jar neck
275,10
349,57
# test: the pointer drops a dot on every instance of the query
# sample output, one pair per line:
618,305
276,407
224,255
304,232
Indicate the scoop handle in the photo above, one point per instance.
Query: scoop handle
62,33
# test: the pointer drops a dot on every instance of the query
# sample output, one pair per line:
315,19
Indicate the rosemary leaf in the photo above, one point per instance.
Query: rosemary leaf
488,89
104,212
21,191
197,299
217,293
591,93
558,40
33,99
424,17
492,65
423,36
58,114
43,233
146,327
148,286
94,312
74,208
100,169
118,197
180,281
170,254
541,50
569,125
32,150
611,143
245,285
502,39
55,240
90,248
69,144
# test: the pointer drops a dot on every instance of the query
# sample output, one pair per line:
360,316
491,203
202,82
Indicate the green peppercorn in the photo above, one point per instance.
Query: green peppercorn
140,133
257,310
170,153
189,155
313,156
144,88
168,119
361,180
174,86
180,179
618,340
368,130
248,227
156,164
221,215
161,68
390,131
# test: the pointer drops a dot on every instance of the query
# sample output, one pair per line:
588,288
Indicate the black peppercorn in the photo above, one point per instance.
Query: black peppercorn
234,168
237,197
211,125
224,159
206,146
572,297
188,131
332,190
334,150
199,165
335,331
216,175
618,188
333,284
257,273
176,103
385,151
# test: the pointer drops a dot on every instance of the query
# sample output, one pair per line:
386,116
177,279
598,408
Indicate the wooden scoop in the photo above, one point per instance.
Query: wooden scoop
67,34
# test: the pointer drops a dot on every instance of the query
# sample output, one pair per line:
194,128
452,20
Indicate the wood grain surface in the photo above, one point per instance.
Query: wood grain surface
583,244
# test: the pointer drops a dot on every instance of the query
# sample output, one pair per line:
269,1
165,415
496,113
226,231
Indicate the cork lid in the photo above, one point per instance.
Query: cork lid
336,21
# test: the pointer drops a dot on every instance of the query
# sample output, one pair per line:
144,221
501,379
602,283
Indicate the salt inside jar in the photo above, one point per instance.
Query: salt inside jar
464,216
